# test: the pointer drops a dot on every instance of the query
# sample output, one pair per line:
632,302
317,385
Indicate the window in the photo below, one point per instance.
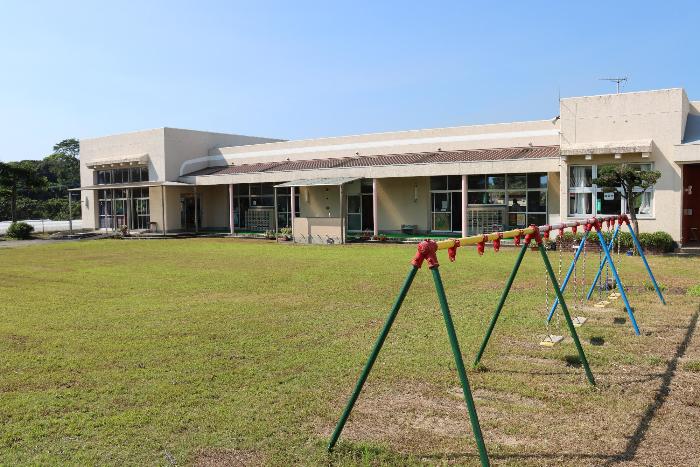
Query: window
104,201
495,201
141,208
284,206
130,175
585,198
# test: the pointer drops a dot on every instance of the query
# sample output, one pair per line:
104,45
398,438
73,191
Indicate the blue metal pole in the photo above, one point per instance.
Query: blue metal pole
646,265
568,275
602,263
617,280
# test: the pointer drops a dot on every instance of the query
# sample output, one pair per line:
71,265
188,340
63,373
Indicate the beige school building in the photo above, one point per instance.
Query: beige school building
446,181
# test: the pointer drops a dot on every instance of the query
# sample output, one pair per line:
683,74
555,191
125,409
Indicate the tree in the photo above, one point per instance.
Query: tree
626,178
17,175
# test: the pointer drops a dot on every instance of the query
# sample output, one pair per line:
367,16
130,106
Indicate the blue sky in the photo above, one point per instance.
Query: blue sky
310,69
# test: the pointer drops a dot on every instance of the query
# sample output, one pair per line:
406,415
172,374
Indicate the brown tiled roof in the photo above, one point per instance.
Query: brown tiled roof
439,157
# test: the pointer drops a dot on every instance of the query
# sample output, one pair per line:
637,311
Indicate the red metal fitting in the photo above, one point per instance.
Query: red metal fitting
427,251
574,228
607,223
452,251
497,242
623,218
533,236
547,229
517,238
480,246
587,227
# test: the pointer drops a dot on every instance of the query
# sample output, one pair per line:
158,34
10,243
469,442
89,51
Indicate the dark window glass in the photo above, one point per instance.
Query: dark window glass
476,182
517,201
267,188
537,201
454,182
441,202
537,180
366,186
495,182
516,181
255,189
354,204
144,174
537,219
438,183
608,203
486,197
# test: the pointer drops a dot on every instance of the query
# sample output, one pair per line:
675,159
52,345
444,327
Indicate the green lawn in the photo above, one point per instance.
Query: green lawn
206,351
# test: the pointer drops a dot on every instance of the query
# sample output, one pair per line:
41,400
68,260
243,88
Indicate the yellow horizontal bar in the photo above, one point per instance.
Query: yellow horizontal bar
474,239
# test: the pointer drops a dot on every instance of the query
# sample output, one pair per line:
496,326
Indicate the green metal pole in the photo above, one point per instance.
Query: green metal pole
373,356
476,428
565,311
501,302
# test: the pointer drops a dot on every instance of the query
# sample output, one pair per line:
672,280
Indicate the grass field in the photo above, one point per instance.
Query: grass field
208,352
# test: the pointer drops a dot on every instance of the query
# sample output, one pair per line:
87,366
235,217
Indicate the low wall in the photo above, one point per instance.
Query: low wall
325,230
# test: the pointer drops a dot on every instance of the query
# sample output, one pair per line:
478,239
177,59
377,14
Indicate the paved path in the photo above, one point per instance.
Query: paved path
21,243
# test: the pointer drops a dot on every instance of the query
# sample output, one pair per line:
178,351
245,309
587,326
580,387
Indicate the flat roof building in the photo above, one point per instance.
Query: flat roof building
461,180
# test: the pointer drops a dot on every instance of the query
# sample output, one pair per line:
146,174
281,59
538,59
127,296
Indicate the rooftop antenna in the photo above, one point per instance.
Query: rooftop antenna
617,82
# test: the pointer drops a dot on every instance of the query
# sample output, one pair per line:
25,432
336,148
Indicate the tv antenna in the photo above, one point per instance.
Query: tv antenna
617,82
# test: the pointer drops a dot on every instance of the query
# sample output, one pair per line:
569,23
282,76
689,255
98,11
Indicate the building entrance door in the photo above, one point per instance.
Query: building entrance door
691,204
187,212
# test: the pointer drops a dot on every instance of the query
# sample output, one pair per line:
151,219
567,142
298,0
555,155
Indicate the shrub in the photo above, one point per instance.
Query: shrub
694,291
661,241
20,230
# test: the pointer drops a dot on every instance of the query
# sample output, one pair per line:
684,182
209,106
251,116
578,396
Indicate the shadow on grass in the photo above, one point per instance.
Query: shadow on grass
572,361
661,395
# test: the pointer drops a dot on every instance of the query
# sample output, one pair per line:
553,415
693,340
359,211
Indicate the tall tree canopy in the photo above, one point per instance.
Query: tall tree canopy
632,182
33,189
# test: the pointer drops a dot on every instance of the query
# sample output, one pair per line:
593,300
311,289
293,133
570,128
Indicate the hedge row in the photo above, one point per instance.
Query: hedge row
657,241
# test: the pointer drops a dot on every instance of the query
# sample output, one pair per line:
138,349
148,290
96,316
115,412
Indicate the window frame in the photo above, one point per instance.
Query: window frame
594,190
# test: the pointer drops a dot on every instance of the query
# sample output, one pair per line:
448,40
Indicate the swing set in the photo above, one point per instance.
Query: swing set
427,252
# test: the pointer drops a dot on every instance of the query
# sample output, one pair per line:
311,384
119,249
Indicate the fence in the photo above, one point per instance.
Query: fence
45,225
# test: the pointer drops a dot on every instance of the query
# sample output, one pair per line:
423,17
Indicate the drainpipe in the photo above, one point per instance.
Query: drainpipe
162,207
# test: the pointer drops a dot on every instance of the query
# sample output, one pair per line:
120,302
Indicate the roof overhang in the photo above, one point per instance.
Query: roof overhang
117,186
335,181
128,160
607,147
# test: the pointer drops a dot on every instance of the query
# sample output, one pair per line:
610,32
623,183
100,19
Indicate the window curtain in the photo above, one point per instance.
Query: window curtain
581,200
645,203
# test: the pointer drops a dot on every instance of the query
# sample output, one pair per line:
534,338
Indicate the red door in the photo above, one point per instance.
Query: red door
691,203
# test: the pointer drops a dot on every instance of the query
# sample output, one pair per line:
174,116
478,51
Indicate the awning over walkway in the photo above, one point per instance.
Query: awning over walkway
607,147
116,186
319,182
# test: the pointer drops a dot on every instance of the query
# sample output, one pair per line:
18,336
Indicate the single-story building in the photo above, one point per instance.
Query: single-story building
461,180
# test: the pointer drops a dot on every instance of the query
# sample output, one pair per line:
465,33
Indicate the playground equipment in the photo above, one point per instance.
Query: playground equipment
606,262
427,252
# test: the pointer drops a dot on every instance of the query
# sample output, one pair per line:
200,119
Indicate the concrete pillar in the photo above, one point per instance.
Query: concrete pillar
196,210
375,207
342,215
293,208
464,205
230,208
70,214
162,206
